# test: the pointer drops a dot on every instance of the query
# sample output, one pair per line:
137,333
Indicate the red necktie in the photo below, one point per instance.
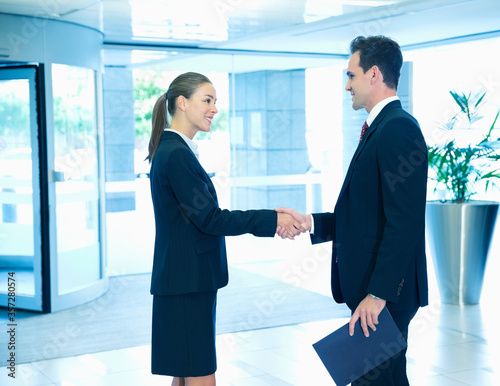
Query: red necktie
363,131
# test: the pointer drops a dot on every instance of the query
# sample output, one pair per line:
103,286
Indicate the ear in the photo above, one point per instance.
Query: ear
376,75
181,102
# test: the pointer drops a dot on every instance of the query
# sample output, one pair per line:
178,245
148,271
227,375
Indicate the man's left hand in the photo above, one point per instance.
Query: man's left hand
367,312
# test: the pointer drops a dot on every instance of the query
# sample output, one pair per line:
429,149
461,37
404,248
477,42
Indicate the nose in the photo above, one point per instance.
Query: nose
348,86
215,110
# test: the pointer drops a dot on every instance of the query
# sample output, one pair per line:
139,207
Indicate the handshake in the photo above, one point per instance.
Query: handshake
292,223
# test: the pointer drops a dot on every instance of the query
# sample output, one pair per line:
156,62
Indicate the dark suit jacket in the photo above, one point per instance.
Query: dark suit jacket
190,249
377,227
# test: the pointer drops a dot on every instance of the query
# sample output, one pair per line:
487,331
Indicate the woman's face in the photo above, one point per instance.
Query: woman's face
200,108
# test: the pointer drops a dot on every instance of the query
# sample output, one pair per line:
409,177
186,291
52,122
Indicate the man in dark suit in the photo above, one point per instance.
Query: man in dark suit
377,227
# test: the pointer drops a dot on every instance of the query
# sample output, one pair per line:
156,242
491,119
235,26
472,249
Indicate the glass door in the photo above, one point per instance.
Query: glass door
20,207
77,264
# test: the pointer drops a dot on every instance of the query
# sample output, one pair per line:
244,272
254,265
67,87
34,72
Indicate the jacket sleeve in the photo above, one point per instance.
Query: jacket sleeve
402,156
324,227
187,180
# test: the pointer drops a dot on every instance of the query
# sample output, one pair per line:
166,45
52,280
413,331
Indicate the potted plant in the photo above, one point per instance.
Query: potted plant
459,230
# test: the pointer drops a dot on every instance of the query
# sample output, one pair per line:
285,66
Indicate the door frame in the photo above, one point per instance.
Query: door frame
34,73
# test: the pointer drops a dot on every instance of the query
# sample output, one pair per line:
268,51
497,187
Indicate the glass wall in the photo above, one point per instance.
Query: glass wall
76,177
226,151
131,232
436,71
16,187
467,67
20,222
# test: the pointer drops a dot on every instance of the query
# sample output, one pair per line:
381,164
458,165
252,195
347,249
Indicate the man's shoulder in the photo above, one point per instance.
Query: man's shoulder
397,112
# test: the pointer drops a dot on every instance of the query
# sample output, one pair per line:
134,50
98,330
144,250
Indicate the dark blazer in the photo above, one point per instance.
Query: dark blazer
190,249
377,226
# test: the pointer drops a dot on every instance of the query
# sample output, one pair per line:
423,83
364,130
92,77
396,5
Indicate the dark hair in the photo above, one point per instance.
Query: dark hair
382,52
186,85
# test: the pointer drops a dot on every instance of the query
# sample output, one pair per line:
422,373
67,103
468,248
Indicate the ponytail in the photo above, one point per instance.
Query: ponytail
159,123
185,84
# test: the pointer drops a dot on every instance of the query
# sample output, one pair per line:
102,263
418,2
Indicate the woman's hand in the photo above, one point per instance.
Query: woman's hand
288,226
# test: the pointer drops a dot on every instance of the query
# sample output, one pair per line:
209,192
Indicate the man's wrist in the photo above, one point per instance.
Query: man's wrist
373,296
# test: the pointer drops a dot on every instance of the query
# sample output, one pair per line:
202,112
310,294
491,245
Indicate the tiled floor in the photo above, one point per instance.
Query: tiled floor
449,346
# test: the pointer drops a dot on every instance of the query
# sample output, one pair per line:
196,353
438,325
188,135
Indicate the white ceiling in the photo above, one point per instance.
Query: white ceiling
165,32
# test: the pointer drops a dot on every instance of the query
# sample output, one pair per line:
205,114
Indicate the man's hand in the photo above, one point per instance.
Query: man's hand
303,220
288,226
367,312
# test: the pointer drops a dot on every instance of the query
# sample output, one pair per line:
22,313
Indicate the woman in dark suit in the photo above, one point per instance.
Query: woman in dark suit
190,262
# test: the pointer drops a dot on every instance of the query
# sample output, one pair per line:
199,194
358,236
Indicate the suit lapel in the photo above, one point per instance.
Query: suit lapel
171,136
371,129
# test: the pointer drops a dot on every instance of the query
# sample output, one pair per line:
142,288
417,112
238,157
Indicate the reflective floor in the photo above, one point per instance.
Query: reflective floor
448,346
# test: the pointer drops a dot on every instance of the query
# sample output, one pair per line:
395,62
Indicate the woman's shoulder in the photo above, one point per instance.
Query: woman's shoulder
171,150
171,142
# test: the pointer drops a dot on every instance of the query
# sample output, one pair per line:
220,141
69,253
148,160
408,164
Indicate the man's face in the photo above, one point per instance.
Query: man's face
358,84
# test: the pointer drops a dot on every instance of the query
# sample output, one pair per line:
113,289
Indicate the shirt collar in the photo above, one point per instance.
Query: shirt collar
378,108
192,145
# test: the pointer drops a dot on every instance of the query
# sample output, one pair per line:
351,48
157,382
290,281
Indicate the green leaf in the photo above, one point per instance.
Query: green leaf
459,168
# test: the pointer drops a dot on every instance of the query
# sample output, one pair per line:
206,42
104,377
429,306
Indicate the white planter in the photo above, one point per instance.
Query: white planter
459,239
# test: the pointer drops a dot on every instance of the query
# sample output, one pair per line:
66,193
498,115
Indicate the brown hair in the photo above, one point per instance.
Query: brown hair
382,52
186,85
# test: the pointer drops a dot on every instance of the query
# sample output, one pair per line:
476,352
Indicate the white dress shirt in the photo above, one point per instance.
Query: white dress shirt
371,117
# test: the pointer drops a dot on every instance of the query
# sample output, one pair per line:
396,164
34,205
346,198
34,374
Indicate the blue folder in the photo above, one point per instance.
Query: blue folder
349,357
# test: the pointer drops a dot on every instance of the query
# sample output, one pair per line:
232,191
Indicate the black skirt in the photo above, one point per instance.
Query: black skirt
183,335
